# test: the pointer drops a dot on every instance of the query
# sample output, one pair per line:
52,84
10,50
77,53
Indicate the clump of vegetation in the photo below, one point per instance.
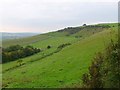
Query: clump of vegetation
70,30
73,30
63,45
98,26
78,36
15,52
48,47
93,79
84,25
0,55
20,62
104,70
111,68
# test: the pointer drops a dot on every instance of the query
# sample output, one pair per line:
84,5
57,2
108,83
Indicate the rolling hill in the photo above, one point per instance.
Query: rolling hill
55,68
7,36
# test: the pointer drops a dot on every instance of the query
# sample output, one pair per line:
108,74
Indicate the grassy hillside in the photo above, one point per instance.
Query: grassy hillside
58,69
76,32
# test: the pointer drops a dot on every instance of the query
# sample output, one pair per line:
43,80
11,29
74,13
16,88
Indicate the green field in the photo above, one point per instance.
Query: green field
51,69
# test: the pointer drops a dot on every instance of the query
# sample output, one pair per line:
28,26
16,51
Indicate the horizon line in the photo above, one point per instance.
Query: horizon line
60,28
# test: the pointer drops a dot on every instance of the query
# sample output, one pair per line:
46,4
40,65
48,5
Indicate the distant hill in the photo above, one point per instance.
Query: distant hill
6,35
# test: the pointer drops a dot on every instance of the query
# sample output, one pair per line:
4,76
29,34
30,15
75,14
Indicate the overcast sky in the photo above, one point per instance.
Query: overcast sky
49,15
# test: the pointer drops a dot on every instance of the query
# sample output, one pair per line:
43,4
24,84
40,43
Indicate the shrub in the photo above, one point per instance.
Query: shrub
63,45
48,47
15,52
104,70
84,25
20,62
93,79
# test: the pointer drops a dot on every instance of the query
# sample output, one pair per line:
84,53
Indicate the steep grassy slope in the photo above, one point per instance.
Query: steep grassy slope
54,39
64,68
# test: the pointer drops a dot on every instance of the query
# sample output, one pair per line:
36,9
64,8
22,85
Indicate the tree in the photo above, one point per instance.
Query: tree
48,47
84,25
15,52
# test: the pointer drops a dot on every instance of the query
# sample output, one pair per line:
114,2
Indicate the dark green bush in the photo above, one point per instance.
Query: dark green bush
15,52
104,70
63,45
48,47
